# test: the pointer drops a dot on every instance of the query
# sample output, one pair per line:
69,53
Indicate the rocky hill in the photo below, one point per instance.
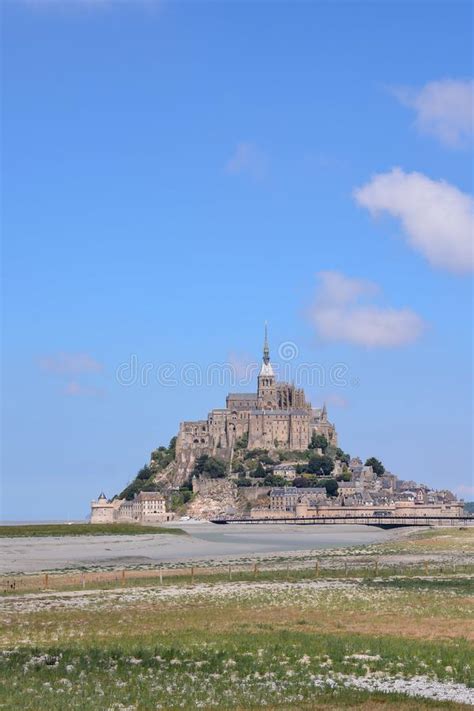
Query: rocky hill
239,480
216,486
215,497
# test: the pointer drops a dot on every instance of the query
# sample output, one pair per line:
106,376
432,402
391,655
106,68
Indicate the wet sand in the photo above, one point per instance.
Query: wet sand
204,542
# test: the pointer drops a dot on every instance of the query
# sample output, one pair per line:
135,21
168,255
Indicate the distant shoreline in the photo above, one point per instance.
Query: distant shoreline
45,522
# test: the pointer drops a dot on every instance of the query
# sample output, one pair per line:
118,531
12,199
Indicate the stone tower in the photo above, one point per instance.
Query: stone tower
266,391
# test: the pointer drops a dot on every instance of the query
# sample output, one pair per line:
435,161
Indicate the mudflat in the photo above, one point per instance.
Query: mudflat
203,542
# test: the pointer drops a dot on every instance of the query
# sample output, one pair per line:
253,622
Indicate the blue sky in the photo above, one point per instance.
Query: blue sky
175,174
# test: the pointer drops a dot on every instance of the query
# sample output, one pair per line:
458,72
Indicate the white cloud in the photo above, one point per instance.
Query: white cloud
443,109
340,313
247,158
437,217
70,363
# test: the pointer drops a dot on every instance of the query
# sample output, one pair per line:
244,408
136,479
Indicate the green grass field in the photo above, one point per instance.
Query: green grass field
83,529
233,671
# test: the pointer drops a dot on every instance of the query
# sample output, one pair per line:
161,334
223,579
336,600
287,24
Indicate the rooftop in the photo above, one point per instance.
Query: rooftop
242,396
150,496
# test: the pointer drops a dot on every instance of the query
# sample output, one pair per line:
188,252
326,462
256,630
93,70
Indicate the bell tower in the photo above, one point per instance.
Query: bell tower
266,393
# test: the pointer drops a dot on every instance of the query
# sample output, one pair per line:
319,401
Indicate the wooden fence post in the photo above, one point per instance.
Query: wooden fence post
287,571
230,572
192,575
376,567
426,568
122,581
254,571
316,569
46,580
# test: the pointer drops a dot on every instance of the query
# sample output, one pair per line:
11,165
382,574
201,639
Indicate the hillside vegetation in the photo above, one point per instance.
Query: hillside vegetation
249,468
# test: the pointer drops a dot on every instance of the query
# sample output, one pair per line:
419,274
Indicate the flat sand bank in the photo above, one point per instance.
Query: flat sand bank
203,542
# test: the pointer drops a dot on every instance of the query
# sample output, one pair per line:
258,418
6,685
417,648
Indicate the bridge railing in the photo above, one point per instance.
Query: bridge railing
356,520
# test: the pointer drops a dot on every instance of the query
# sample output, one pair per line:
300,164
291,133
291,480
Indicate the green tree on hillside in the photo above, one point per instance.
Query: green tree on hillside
243,482
144,473
255,453
301,481
180,498
330,485
144,479
320,465
345,476
199,464
209,466
172,446
342,456
274,480
259,472
318,441
243,441
376,465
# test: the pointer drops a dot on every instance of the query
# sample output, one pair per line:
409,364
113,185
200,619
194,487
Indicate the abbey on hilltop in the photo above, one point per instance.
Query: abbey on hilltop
277,416
268,454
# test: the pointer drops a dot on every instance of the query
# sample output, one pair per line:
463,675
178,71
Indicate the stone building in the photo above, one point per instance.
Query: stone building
397,508
363,474
103,510
349,488
277,416
284,504
287,470
286,498
146,507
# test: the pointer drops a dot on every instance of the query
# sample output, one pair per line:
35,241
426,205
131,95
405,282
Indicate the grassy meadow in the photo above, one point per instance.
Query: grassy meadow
83,529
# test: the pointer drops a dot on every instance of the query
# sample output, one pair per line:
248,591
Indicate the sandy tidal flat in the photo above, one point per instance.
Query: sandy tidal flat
203,542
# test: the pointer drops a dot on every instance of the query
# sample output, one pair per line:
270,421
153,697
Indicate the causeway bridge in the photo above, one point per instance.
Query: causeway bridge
374,520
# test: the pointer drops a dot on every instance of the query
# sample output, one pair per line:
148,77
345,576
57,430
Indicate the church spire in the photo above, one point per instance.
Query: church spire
266,349
266,368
